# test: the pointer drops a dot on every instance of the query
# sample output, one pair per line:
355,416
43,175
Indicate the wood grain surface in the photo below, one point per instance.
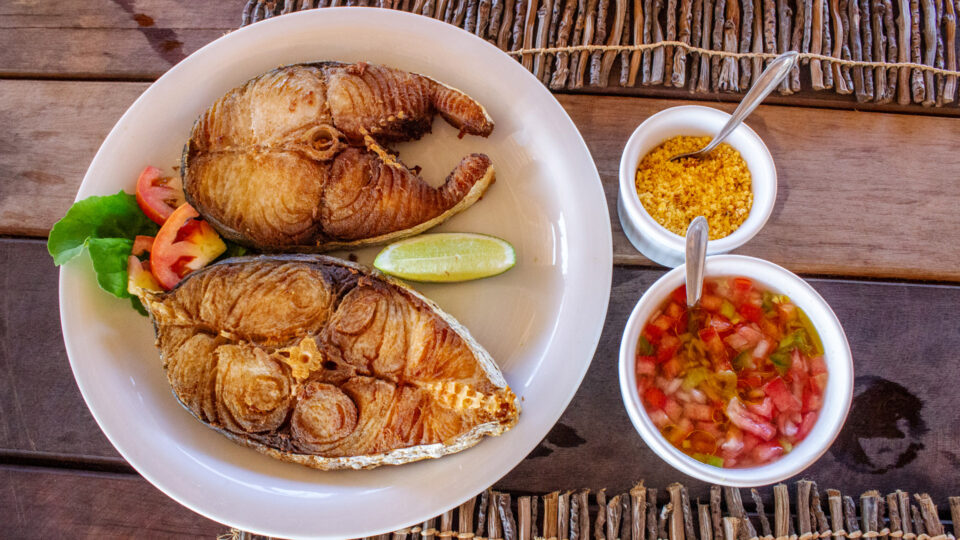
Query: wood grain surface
123,39
119,39
903,432
50,503
847,203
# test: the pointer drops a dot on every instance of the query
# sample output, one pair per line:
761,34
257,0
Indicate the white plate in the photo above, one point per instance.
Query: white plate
541,320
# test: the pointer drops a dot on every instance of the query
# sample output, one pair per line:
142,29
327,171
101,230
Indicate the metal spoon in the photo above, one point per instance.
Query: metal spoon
768,80
697,234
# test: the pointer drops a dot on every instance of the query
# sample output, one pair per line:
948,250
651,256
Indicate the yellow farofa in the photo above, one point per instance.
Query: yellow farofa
717,187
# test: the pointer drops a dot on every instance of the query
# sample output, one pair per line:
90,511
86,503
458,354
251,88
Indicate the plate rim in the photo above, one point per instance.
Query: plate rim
602,271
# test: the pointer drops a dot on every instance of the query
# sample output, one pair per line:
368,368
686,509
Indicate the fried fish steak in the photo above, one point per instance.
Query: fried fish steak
294,160
322,362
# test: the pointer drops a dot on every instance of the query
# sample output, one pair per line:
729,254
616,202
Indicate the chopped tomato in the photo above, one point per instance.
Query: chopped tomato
140,277
663,322
671,368
816,365
767,451
183,244
749,422
158,196
652,333
673,409
715,347
819,382
655,397
711,302
764,408
812,399
806,425
749,442
646,365
667,348
742,284
696,411
750,312
782,398
720,323
679,295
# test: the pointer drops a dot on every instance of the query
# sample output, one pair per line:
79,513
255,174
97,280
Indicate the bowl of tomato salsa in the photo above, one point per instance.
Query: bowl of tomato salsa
748,388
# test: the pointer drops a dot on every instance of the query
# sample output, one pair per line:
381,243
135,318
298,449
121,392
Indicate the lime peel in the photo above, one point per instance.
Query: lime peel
446,257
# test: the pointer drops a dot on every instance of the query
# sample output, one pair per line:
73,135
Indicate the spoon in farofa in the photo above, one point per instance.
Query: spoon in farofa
768,80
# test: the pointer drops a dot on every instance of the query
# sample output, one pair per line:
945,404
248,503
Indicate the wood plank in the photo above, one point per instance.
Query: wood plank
848,203
41,411
53,131
122,39
108,38
903,345
859,194
49,503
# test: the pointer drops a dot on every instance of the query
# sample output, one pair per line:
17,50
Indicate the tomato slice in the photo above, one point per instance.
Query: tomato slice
158,196
141,245
183,245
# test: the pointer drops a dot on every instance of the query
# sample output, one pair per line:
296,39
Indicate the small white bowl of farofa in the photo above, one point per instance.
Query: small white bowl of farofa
735,187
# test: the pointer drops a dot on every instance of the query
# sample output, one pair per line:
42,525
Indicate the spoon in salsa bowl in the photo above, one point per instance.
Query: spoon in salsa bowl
697,233
768,80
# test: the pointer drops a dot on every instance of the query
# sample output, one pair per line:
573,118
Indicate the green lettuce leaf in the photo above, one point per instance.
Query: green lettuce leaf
105,226
109,256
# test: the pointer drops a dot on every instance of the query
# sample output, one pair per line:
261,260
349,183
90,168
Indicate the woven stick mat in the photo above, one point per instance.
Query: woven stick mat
644,514
878,51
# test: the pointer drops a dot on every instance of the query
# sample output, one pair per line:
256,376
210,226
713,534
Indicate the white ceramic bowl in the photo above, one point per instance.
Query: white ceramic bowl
837,396
649,237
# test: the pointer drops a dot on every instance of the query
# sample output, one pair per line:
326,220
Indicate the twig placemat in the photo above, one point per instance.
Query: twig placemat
878,51
644,513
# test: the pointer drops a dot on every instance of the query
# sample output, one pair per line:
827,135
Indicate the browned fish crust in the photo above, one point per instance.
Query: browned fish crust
293,160
322,362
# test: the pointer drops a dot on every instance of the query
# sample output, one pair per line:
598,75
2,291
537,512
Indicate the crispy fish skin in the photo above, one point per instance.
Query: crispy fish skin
293,160
318,361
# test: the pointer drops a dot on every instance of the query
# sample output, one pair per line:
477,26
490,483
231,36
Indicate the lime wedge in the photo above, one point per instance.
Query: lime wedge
446,257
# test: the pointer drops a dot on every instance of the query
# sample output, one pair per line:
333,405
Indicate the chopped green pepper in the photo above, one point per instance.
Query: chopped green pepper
716,461
767,303
811,331
728,311
742,361
694,377
644,348
781,361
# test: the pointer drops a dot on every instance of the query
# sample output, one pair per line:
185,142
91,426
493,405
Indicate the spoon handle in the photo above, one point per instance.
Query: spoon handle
768,80
697,234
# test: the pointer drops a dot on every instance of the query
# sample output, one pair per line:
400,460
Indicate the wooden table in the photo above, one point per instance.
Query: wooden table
867,209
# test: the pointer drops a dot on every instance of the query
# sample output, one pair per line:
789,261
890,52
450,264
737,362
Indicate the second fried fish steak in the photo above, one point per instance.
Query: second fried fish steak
325,363
293,159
